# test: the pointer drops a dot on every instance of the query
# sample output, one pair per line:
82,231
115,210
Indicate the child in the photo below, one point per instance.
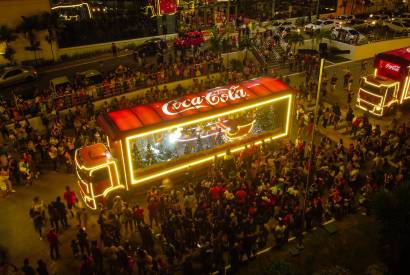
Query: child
74,248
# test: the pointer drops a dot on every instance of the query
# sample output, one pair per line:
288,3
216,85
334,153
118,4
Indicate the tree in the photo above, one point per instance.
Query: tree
54,24
7,35
150,156
294,39
29,27
319,35
392,210
216,40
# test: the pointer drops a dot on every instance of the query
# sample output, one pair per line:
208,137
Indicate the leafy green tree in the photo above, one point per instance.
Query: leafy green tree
215,40
392,210
54,24
8,35
294,39
29,27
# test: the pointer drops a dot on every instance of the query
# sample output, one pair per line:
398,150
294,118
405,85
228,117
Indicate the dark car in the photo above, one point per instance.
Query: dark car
151,47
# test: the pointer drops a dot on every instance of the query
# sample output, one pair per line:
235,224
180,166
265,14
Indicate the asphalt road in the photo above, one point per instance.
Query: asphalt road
46,74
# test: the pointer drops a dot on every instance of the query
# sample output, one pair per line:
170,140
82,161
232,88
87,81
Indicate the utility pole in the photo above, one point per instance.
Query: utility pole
317,9
312,144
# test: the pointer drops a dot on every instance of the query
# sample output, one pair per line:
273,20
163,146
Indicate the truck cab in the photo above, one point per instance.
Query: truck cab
97,173
388,86
378,95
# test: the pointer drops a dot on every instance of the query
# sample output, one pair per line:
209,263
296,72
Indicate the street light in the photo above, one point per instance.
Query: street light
312,146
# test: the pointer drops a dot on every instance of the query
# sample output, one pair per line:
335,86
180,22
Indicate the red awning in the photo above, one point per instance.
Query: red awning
122,123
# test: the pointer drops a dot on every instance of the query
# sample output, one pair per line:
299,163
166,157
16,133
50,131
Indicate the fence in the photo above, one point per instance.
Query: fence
113,88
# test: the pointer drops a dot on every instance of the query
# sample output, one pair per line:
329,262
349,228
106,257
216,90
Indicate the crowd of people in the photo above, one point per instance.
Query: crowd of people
26,151
167,67
241,204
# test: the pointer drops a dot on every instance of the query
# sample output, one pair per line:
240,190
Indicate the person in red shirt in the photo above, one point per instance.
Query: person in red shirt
153,208
71,199
54,243
215,192
138,216
241,196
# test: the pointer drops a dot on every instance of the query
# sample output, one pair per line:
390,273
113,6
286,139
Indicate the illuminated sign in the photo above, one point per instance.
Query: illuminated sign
389,69
392,67
212,98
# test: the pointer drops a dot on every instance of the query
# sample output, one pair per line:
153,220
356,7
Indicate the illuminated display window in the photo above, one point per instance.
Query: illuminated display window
202,138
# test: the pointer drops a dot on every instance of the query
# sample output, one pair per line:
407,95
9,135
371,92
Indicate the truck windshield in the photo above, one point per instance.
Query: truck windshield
372,89
100,180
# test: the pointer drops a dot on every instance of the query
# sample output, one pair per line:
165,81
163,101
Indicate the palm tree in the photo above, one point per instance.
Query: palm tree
7,35
320,34
54,24
29,27
295,38
216,41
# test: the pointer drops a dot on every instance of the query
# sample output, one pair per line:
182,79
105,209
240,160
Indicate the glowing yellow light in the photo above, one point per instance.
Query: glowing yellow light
405,93
375,72
73,6
123,166
205,159
381,105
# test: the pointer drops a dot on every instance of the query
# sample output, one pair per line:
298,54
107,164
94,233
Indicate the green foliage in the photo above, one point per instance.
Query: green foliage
295,38
265,118
320,35
9,53
7,34
245,43
216,40
150,156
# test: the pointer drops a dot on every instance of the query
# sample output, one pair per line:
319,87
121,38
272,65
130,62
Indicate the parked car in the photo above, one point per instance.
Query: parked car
90,77
400,25
283,26
10,76
377,19
343,20
151,47
59,83
326,24
358,23
349,35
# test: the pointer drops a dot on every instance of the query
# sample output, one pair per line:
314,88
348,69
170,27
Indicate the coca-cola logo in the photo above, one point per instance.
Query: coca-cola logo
212,98
392,67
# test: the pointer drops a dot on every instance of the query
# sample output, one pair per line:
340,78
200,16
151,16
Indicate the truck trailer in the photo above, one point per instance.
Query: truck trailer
151,142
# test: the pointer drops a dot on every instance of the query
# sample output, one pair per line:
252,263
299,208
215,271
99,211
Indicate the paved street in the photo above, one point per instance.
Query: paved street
16,229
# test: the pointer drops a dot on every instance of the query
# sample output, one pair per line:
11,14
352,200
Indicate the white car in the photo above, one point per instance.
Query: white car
283,26
348,35
400,26
326,24
15,75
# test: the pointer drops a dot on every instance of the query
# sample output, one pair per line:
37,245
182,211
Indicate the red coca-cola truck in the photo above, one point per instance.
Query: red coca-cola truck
388,87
